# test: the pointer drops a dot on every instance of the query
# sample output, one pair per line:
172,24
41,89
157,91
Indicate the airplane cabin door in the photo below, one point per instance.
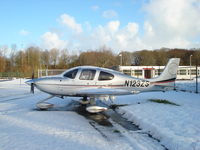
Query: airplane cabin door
87,77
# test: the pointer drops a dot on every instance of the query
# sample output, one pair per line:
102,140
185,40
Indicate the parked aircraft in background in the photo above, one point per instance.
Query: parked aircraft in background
95,83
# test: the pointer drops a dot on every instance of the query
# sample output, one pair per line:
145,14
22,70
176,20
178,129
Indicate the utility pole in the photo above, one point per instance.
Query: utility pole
190,65
120,55
196,76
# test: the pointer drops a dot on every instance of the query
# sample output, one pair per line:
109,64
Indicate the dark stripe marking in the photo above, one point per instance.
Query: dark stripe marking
164,81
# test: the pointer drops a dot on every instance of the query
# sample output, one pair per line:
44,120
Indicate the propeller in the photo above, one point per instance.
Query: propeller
32,83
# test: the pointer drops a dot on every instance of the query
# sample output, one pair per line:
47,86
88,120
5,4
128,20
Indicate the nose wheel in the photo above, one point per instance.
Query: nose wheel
42,105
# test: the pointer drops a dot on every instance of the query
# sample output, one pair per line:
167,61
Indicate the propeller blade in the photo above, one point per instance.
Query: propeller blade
32,84
32,88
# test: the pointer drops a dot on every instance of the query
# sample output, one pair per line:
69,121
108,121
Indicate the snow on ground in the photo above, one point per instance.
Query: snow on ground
23,127
188,85
178,127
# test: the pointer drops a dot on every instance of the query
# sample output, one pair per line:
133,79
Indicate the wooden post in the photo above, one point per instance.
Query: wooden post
196,76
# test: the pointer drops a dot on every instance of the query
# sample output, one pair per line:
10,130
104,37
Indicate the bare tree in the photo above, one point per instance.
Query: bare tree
63,59
45,59
12,56
101,58
54,53
3,50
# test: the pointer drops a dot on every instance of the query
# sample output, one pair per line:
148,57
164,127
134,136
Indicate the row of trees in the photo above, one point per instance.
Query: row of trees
34,58
160,57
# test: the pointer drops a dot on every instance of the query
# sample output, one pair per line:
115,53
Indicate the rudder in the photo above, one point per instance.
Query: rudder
169,74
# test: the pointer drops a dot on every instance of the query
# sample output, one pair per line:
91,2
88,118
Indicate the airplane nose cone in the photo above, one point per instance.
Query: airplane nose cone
29,82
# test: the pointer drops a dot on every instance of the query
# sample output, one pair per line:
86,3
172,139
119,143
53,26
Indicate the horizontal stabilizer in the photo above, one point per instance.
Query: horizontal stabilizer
165,87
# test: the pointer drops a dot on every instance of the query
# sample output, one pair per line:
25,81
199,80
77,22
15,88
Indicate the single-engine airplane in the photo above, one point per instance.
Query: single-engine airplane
95,83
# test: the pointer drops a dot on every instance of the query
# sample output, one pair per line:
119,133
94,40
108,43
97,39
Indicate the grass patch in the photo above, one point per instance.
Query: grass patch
116,131
163,101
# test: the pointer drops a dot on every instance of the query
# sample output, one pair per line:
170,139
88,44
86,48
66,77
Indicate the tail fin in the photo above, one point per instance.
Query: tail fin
169,74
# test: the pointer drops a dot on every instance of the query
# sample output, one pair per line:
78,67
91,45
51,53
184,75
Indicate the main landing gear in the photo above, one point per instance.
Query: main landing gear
92,108
90,104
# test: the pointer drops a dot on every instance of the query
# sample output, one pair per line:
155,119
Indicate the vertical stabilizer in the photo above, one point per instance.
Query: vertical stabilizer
169,74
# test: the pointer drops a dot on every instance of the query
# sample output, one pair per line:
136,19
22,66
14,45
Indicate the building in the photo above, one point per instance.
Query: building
153,71
138,71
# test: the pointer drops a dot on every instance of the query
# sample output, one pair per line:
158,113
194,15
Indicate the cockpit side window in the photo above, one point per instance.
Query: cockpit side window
71,74
87,74
105,76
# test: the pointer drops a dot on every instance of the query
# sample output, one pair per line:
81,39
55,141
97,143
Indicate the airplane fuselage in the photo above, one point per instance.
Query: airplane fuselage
95,78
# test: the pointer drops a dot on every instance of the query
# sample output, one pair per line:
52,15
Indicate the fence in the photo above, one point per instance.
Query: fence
10,75
188,85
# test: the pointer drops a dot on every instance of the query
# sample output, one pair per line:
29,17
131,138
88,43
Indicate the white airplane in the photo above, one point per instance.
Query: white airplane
95,83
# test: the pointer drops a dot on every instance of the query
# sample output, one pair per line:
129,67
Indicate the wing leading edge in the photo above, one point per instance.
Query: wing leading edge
106,91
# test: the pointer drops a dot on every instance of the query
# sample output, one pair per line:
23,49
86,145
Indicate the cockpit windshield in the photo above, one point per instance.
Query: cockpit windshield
71,74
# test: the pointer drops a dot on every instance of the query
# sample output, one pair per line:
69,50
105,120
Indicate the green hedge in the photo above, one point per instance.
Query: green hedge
15,74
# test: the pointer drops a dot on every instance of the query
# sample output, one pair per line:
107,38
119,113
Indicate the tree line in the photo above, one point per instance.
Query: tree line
33,58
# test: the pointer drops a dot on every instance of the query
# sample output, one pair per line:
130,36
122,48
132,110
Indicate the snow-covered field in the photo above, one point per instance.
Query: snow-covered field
188,85
163,126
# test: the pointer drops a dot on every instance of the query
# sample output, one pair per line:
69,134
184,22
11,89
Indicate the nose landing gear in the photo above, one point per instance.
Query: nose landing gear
42,105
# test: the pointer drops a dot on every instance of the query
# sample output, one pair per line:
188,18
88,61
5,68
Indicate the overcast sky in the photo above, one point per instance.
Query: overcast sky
89,24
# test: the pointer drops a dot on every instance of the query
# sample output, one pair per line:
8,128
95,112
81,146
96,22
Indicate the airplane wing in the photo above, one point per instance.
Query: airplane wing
165,87
105,91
